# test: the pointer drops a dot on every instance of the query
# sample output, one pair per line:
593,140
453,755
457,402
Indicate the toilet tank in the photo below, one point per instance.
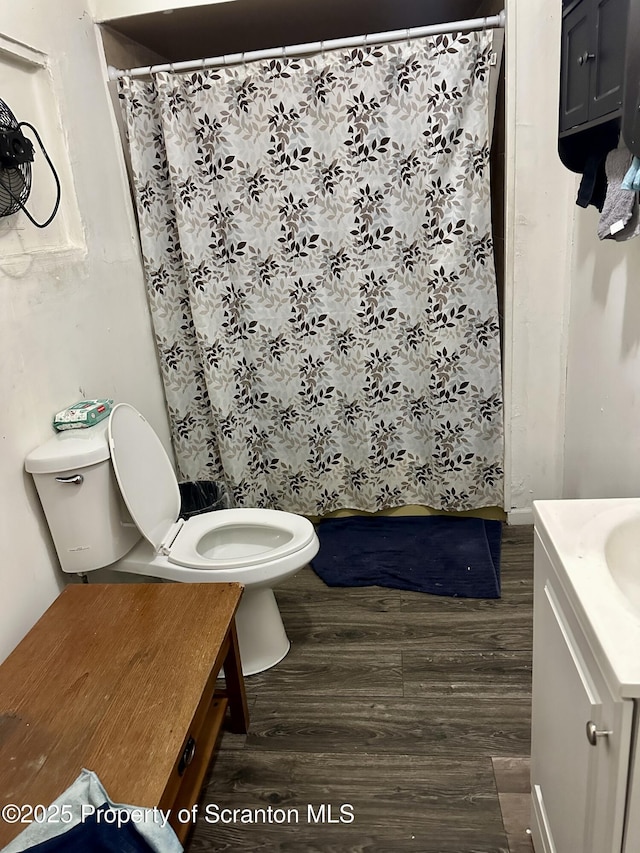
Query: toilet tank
88,520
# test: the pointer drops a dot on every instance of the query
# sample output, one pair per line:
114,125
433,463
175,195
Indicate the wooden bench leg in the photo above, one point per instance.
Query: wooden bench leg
234,684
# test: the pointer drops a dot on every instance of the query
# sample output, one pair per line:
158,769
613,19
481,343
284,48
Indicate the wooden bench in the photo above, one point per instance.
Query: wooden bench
121,679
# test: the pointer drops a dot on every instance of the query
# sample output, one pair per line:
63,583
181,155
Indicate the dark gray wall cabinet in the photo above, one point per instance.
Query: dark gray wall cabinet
599,76
593,62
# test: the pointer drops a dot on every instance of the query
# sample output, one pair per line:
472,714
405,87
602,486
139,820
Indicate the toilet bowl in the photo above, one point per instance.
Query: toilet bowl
111,498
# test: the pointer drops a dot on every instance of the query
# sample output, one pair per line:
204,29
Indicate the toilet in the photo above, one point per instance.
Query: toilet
111,498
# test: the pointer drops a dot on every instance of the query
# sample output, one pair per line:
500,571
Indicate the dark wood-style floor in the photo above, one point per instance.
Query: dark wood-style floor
392,702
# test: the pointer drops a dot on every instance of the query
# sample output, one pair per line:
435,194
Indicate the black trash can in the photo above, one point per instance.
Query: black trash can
201,496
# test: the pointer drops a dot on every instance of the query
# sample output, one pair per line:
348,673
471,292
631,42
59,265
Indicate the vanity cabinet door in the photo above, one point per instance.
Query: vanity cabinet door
574,77
578,789
631,115
609,56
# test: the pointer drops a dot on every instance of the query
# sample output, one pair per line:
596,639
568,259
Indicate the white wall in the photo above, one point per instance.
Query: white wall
573,355
602,455
539,231
107,10
573,360
75,322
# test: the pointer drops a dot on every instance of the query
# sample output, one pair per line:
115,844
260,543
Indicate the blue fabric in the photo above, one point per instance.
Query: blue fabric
88,791
631,180
93,835
437,554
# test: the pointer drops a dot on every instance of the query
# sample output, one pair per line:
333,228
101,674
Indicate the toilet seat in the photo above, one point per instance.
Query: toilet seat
147,482
224,539
239,538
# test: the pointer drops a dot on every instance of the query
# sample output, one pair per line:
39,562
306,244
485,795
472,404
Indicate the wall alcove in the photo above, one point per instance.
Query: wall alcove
213,29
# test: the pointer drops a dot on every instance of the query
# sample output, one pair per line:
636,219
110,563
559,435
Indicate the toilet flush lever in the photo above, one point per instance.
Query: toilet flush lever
75,480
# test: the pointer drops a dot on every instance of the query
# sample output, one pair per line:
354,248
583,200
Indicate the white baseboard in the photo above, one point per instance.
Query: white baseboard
520,516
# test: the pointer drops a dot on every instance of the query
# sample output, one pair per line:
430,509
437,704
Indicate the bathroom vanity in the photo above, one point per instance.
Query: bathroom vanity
585,768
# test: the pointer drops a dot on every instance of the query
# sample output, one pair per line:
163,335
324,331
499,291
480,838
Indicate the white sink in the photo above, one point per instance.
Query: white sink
622,554
595,547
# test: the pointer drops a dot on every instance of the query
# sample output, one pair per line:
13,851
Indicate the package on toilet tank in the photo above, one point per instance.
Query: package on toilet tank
84,413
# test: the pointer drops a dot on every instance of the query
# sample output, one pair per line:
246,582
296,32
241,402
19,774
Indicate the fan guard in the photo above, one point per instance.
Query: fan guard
16,156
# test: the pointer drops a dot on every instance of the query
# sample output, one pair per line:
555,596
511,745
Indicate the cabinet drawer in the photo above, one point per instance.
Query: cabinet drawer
192,766
191,763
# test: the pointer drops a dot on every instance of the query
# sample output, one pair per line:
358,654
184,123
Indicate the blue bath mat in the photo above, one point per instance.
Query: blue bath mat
442,555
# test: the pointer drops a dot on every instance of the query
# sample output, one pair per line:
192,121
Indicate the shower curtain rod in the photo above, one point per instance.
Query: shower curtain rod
491,22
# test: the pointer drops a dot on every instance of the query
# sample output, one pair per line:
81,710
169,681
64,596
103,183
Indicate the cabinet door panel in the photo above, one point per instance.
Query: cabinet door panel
608,62
574,98
578,789
631,89
563,700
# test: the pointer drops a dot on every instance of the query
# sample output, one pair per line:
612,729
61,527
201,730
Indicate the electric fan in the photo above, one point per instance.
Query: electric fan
16,157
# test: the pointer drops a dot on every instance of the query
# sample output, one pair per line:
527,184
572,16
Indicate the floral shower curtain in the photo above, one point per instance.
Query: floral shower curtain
317,242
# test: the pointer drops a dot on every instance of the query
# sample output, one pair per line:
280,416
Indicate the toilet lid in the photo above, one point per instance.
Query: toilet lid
144,473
